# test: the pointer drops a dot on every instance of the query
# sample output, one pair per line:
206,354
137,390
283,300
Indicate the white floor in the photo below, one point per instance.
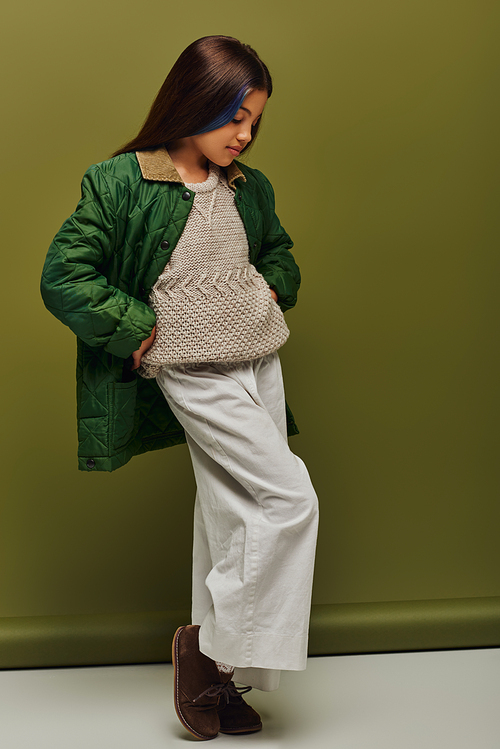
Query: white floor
429,700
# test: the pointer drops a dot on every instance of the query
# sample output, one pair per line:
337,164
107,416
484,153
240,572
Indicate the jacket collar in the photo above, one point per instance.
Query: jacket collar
158,166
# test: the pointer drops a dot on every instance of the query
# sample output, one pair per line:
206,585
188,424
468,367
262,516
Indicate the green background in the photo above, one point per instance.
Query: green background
381,141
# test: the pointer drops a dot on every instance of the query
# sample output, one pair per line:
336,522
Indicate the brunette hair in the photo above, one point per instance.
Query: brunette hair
202,92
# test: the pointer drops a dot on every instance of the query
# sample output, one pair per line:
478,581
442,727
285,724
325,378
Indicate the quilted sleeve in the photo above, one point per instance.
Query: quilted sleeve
275,261
74,289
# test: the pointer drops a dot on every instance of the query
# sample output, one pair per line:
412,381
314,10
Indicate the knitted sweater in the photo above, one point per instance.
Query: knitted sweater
211,304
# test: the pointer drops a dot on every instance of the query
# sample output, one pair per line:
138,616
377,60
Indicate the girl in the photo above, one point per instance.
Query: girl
175,267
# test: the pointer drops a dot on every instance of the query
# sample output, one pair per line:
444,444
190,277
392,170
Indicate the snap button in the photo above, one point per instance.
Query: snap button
239,196
186,195
254,245
164,245
90,463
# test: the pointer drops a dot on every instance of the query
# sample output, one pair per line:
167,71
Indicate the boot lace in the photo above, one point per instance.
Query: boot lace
228,692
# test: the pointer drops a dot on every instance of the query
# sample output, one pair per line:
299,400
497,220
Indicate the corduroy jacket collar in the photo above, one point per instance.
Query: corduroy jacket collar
158,166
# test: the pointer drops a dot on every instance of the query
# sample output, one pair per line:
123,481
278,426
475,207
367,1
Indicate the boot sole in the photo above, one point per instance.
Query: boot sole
253,729
176,691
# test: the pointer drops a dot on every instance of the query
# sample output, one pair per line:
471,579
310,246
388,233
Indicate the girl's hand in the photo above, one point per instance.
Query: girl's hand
137,355
274,295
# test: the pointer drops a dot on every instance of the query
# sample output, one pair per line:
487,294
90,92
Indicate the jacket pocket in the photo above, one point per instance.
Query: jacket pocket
122,397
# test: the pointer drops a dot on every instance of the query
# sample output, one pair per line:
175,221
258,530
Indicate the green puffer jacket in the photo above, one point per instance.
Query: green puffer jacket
97,277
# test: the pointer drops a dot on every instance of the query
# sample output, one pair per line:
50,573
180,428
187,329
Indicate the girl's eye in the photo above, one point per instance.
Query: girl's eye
237,120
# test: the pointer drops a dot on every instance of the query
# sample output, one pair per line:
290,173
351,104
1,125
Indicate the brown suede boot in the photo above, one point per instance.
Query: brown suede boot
235,715
198,685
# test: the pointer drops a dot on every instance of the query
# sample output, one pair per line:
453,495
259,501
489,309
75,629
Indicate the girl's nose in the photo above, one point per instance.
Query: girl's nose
245,134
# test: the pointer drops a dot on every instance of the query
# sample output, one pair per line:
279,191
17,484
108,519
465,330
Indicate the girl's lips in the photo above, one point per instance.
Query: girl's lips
234,151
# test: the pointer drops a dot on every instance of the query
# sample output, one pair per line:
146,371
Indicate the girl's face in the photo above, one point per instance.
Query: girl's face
224,144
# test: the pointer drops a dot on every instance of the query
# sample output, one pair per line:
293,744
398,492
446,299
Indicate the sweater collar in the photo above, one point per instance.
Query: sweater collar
157,165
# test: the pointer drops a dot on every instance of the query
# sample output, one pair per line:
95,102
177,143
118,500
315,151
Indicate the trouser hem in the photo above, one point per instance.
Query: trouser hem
267,651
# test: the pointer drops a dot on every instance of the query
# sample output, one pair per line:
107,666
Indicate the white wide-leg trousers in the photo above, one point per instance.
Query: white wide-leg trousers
256,518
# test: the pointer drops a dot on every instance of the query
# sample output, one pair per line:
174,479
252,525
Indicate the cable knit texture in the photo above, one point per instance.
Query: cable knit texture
211,304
